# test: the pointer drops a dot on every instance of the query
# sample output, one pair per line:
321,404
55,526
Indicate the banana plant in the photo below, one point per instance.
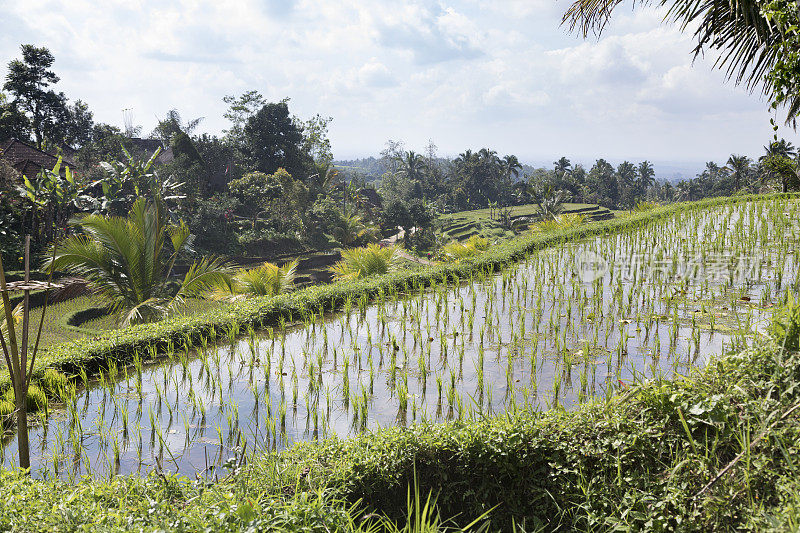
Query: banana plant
52,197
132,178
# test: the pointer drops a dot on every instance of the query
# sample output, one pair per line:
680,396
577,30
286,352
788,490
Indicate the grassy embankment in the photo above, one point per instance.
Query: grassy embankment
718,450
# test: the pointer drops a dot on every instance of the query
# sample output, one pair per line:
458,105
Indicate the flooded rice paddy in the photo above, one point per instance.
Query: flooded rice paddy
566,325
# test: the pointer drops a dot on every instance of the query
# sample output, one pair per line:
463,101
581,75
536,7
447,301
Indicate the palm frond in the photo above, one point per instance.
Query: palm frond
371,260
203,277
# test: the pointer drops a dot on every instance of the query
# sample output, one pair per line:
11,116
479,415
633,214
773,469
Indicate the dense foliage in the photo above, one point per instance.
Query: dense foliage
269,186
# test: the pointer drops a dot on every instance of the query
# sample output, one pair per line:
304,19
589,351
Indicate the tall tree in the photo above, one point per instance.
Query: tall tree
29,80
411,165
562,167
511,166
13,122
240,109
173,124
739,168
273,140
647,176
781,148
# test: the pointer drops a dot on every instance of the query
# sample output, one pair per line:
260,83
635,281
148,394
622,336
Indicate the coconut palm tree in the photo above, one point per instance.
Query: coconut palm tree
781,148
128,262
647,176
739,168
747,45
562,167
354,230
411,165
511,166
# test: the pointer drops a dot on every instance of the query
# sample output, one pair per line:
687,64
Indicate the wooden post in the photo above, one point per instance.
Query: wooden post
16,354
22,380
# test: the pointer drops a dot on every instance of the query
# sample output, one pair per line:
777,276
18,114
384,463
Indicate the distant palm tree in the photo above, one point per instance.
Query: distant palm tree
128,262
627,173
488,155
647,176
739,168
465,157
782,148
411,165
562,167
511,166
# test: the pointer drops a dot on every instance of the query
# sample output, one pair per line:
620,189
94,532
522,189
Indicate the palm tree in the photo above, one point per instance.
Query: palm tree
550,202
562,167
488,156
782,148
411,165
627,174
747,45
647,176
511,166
354,230
324,176
739,168
129,261
465,157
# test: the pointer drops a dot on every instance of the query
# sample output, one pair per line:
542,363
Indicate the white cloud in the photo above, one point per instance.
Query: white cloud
375,74
465,73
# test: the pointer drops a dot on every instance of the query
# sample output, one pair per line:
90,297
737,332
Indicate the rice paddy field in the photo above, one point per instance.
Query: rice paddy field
570,324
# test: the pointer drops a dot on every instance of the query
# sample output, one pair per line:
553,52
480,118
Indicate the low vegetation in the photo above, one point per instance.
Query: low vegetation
128,262
371,260
267,279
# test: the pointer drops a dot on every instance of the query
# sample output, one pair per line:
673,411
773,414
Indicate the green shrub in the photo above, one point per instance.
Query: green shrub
456,251
369,261
560,222
643,206
266,280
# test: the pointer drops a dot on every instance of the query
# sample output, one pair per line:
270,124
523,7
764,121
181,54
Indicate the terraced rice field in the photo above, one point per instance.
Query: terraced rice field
465,224
570,324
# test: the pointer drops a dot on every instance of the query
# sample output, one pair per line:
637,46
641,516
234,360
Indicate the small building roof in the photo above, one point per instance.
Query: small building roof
27,159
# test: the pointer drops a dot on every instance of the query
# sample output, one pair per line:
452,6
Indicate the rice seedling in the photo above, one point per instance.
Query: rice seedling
534,327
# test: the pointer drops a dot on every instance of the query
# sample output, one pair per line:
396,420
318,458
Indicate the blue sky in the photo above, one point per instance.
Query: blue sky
465,74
